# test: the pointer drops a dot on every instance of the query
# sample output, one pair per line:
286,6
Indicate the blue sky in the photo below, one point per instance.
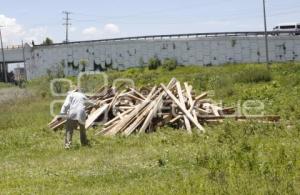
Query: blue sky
96,19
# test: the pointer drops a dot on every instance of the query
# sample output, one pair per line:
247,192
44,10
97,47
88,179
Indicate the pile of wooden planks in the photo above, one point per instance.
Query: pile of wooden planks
144,110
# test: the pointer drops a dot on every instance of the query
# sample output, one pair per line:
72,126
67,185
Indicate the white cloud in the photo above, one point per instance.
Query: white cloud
90,31
11,29
14,33
107,31
37,34
111,28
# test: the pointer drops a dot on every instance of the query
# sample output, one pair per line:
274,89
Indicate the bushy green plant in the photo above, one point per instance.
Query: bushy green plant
254,74
83,63
170,64
154,63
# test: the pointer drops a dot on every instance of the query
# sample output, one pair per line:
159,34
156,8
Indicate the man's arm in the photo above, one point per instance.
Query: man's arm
89,102
66,106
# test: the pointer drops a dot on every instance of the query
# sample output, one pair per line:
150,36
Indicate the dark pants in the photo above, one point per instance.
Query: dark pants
70,126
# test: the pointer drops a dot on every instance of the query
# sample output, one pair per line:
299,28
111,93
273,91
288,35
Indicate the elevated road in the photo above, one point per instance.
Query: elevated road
191,35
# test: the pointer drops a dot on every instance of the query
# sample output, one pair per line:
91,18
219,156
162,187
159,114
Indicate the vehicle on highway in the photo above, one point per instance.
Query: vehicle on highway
291,28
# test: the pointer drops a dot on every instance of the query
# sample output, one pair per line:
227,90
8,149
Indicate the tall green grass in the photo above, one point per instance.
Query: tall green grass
254,74
232,158
5,85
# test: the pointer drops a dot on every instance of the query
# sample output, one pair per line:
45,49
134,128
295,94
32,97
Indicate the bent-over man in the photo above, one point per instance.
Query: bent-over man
74,109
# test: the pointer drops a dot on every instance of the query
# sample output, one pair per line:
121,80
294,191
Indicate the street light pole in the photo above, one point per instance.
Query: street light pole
3,58
266,35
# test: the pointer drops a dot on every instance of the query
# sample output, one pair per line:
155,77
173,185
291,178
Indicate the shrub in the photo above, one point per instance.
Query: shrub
253,74
154,63
170,64
57,71
83,63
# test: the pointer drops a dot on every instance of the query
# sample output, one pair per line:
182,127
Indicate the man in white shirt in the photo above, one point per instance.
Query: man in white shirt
74,109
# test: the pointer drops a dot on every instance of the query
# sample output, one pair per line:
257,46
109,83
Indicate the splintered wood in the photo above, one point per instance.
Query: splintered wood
139,111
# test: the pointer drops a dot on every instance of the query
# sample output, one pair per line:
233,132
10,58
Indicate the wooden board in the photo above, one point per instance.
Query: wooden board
91,119
57,124
181,99
190,117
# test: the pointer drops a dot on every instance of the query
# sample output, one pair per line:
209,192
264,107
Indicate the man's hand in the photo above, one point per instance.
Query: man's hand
60,116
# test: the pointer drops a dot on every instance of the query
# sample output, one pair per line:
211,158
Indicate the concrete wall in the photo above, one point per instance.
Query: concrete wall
124,54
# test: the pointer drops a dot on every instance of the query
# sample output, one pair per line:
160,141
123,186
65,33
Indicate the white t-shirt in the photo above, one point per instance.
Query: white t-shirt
74,106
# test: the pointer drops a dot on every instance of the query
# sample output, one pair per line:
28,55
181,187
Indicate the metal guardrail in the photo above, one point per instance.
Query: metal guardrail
190,35
12,47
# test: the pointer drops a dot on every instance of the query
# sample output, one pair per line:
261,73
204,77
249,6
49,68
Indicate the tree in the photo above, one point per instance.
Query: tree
47,41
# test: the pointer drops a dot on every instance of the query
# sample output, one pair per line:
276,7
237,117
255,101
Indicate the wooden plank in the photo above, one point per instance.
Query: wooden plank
132,120
176,118
266,117
53,121
202,111
92,117
138,120
117,118
191,101
113,101
190,117
142,115
138,93
188,90
104,130
155,107
204,95
57,124
215,110
149,117
99,102
124,123
181,99
134,97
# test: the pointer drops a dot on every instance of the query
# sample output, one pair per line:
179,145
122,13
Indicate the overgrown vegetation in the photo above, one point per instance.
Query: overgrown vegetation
154,63
253,75
232,158
170,64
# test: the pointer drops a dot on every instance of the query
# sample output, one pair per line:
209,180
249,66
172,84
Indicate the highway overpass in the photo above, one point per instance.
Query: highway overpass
204,49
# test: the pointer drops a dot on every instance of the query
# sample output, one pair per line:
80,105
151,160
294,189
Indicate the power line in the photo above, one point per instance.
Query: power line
67,24
153,12
229,14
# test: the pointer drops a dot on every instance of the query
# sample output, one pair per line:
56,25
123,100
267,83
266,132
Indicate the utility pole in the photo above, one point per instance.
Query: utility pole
67,24
3,58
266,34
25,68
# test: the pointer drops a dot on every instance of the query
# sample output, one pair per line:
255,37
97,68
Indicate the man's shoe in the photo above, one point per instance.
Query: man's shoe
67,146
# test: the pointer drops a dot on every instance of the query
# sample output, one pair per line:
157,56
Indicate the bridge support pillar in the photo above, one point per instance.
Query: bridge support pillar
3,72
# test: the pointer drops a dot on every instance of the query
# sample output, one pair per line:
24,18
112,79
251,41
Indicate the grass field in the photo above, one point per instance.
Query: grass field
232,158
